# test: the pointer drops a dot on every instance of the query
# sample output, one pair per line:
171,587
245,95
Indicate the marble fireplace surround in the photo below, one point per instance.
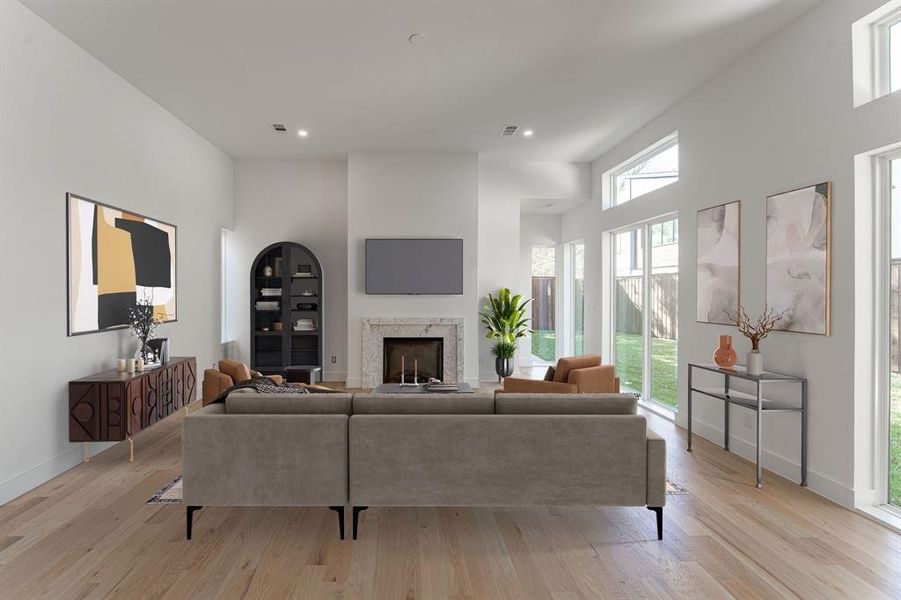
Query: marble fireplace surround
375,330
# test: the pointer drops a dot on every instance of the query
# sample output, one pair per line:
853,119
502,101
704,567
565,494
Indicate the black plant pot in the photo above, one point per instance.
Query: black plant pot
503,367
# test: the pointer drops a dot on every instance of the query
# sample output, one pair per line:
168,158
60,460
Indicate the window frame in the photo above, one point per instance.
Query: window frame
882,304
645,399
882,59
609,199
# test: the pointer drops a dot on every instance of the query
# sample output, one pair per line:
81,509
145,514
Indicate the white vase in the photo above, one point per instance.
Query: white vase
755,363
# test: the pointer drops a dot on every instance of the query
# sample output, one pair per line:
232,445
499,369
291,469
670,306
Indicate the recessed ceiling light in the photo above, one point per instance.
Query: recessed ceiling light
303,133
528,133
415,38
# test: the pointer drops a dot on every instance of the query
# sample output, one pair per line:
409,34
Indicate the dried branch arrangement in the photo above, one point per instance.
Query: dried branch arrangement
759,328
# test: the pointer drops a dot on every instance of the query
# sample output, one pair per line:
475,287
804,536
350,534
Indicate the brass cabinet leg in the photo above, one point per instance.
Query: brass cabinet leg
85,455
131,449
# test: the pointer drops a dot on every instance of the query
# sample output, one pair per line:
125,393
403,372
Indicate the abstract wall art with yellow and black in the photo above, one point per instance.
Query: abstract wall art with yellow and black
115,259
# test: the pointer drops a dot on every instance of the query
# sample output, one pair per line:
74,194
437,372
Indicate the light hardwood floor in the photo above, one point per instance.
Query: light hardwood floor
89,534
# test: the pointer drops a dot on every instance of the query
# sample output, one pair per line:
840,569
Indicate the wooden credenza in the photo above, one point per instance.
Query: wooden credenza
114,406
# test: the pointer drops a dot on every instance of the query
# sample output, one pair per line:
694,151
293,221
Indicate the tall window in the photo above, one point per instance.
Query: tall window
646,332
893,174
652,169
544,295
574,296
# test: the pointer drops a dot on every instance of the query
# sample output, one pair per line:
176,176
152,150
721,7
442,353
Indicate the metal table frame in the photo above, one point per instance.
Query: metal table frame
755,402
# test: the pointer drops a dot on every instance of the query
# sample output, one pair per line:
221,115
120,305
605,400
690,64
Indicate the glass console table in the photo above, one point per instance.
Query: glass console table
755,402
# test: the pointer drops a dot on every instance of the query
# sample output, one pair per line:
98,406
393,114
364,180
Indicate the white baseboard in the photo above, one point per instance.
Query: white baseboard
334,374
25,482
816,482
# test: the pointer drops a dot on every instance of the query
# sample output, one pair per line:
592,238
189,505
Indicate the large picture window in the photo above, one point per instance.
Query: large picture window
574,293
544,302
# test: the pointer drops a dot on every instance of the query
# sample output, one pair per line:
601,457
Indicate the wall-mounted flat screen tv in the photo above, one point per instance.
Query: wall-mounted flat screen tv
407,266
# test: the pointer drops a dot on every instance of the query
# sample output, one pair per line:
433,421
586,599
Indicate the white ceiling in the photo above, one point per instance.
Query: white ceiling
583,75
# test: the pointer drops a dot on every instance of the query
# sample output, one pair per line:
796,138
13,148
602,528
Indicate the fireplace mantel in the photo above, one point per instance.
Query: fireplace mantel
375,330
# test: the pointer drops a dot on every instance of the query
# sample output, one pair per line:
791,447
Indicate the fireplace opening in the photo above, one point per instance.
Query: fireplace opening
423,355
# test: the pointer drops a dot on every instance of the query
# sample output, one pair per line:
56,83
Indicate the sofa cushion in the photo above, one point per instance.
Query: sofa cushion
565,365
235,369
423,404
244,402
566,404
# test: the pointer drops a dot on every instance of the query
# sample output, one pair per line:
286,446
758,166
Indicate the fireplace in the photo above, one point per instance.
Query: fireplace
425,355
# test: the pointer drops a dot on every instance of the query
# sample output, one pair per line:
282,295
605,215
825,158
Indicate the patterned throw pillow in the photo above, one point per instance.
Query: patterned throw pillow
265,388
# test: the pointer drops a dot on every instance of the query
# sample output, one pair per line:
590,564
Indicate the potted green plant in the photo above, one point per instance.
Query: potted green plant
506,321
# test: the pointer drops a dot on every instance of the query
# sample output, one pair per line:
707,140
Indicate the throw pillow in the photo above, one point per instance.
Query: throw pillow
549,376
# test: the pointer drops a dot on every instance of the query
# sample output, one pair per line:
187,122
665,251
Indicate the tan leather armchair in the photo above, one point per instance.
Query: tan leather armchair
229,373
572,375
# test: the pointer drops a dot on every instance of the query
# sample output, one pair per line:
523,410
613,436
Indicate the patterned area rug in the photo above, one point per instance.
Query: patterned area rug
168,494
171,492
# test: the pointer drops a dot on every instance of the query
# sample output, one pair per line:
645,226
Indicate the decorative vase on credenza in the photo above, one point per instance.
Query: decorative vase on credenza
725,355
756,331
754,364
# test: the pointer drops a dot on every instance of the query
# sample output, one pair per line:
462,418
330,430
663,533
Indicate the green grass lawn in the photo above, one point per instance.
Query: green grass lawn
895,443
664,376
544,344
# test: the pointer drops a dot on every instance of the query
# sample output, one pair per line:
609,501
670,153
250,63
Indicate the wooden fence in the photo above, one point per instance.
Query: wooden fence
543,303
664,305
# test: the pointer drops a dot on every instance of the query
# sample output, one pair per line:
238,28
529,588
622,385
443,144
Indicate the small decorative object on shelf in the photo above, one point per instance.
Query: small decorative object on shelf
506,322
755,332
267,271
725,355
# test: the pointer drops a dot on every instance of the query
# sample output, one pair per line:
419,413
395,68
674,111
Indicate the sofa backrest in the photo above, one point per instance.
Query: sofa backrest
423,404
567,364
566,404
249,402
497,460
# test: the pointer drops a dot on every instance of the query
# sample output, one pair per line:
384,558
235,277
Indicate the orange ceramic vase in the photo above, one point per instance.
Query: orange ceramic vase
725,356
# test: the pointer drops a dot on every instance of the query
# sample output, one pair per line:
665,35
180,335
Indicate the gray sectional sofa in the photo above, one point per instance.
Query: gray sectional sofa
422,450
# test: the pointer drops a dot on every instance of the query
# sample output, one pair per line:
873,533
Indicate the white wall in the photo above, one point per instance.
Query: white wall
503,185
779,119
422,194
301,201
69,124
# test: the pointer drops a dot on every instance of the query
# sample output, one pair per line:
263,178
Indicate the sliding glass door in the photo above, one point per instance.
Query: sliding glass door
645,295
663,293
628,307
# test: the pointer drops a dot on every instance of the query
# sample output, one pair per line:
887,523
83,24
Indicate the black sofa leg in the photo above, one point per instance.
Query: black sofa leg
659,511
190,510
340,511
356,518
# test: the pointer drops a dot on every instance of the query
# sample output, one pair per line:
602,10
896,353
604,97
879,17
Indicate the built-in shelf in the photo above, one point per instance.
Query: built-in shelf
273,351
